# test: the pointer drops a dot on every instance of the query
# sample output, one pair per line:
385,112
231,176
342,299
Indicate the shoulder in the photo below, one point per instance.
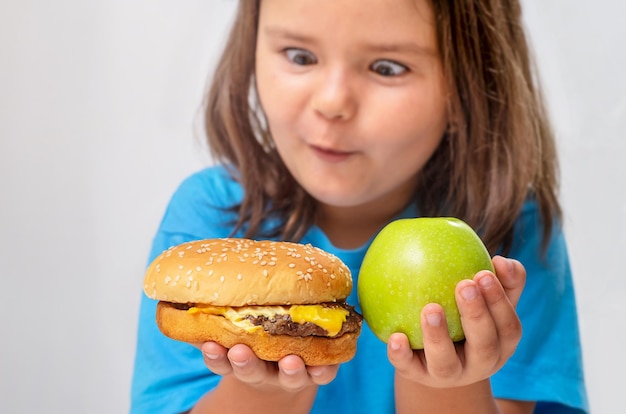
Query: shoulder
201,207
527,243
215,185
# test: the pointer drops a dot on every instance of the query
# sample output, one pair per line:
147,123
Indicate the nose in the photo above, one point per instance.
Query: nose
334,98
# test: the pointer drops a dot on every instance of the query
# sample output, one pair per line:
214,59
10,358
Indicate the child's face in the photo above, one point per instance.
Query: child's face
354,94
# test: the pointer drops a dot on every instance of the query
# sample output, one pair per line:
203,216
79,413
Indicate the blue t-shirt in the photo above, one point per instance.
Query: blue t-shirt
170,376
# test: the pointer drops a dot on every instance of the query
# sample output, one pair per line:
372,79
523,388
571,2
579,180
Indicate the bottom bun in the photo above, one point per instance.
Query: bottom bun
201,327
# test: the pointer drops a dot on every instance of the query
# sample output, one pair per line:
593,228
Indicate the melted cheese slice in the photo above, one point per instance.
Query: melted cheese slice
329,318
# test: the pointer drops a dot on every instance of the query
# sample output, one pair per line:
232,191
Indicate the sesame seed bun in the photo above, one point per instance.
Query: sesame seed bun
238,274
241,272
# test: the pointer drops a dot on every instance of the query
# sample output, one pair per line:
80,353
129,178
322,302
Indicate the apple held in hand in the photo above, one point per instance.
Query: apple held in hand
414,262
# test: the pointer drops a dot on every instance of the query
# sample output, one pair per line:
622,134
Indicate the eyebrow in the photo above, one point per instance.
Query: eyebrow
401,47
286,34
405,47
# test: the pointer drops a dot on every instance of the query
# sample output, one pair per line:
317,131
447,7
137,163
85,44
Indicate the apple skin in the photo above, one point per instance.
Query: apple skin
411,263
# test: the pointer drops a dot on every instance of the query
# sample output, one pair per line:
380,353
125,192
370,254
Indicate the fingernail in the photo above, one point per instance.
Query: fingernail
469,292
510,266
240,363
290,371
314,372
394,345
433,319
486,281
211,356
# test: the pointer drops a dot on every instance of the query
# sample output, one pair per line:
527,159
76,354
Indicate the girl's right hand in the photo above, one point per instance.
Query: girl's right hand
289,374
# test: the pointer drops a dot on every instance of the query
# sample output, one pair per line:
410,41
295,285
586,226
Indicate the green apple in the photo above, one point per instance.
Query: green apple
411,263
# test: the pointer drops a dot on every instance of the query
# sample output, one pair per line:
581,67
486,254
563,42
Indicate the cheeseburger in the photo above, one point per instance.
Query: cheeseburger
278,298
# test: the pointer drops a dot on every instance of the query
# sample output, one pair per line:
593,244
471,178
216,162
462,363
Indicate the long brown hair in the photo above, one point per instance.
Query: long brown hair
498,150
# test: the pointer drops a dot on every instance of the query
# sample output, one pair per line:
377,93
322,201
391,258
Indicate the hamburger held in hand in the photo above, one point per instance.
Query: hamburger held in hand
278,298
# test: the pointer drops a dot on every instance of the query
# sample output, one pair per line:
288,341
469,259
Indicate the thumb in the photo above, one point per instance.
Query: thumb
400,353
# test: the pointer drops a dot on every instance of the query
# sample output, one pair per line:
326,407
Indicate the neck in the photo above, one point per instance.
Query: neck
352,227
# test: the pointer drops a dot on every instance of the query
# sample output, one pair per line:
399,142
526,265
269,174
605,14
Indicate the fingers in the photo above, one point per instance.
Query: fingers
502,312
292,374
439,350
322,375
289,373
247,367
406,362
482,345
512,276
491,325
239,361
438,363
215,358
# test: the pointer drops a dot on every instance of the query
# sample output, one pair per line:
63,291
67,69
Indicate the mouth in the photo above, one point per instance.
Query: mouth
331,155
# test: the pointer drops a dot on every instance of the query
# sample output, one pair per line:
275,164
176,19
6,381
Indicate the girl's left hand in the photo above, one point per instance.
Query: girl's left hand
491,325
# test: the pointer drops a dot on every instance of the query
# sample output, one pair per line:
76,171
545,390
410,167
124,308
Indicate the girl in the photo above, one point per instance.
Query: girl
330,118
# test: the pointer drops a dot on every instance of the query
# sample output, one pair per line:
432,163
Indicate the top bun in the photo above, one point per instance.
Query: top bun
242,272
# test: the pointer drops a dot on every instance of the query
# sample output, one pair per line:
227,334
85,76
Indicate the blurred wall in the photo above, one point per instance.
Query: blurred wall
98,125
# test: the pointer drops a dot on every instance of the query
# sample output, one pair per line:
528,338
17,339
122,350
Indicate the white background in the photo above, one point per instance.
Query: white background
98,125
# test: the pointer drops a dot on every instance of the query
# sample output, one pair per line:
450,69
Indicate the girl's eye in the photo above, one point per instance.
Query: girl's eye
300,56
388,68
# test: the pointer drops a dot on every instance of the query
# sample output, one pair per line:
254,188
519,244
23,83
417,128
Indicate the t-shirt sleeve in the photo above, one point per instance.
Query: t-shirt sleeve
547,365
170,376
